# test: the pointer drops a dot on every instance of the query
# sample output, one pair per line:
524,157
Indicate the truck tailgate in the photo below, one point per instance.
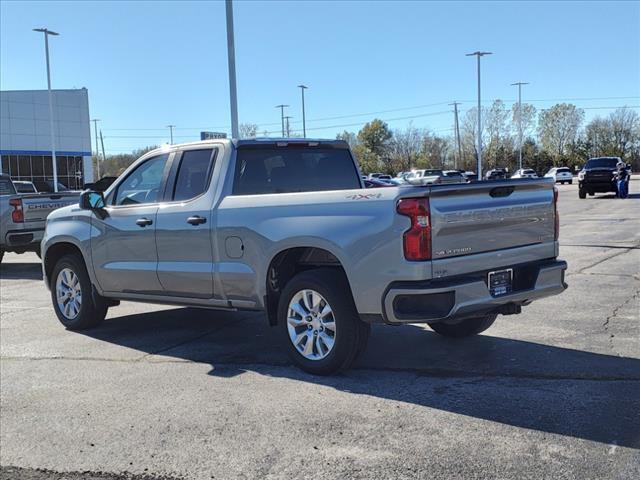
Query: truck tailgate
37,206
491,216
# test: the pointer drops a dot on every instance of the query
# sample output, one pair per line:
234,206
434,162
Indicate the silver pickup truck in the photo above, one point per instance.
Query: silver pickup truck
22,216
286,227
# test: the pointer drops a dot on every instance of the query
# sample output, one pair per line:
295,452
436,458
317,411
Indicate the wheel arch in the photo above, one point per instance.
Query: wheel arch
287,263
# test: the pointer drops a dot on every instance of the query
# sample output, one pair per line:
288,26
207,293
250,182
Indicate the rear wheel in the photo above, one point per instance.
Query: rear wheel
465,328
71,293
319,322
570,182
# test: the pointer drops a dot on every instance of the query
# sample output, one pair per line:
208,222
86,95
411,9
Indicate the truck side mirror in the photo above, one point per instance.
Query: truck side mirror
90,200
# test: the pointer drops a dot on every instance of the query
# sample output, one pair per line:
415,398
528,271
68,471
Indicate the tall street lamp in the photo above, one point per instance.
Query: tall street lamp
519,84
479,54
282,107
231,58
46,33
304,123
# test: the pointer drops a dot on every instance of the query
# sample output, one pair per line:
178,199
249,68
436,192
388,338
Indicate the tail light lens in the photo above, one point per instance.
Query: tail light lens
17,215
416,240
556,235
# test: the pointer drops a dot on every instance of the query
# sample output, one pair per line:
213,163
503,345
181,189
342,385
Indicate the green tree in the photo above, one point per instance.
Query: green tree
558,129
373,146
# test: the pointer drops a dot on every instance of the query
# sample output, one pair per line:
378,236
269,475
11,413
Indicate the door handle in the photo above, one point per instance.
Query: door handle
143,222
196,220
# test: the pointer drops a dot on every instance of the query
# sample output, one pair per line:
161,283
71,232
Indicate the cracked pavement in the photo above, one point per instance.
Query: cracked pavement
165,392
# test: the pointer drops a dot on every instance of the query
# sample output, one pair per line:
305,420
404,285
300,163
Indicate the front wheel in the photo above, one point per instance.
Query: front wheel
71,293
582,193
319,322
465,328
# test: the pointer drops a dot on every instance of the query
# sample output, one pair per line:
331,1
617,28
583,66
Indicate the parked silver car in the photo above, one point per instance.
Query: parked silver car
286,227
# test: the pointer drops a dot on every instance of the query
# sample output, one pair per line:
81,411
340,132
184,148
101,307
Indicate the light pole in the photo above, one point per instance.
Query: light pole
519,84
282,107
231,57
48,32
479,54
304,124
171,127
95,129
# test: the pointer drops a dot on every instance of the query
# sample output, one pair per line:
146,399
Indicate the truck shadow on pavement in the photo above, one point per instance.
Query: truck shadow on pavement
550,389
20,271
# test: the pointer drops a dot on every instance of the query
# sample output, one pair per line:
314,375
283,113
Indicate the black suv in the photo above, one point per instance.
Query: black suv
598,176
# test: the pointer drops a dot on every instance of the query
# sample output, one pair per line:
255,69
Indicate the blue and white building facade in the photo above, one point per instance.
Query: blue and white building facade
25,136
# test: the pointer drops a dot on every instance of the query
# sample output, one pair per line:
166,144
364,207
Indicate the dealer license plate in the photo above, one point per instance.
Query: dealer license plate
500,282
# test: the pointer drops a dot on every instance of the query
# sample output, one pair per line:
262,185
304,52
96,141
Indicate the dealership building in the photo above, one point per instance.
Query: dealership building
25,136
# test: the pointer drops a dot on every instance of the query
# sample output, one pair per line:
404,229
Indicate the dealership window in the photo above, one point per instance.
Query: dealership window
40,168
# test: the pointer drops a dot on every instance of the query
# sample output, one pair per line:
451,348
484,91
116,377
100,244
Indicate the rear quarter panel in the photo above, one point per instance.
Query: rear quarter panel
359,227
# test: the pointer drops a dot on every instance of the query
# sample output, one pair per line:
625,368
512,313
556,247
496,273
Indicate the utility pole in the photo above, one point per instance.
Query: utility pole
519,84
171,127
104,156
457,129
48,32
95,130
479,54
286,120
282,107
304,122
231,57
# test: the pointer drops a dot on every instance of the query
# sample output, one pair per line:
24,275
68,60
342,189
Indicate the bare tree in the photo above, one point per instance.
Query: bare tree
433,153
625,129
529,120
404,148
248,130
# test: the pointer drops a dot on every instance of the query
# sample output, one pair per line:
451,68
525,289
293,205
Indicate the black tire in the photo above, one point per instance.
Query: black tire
1,255
582,193
570,182
466,328
350,331
92,310
561,183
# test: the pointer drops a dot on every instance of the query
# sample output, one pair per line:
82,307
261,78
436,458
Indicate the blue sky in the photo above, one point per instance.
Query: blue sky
150,64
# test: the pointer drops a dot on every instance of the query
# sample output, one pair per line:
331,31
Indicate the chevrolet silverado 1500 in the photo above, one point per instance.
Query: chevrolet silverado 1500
22,216
285,226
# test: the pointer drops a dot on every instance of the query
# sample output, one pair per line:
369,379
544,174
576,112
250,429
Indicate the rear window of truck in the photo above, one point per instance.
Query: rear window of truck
293,169
6,187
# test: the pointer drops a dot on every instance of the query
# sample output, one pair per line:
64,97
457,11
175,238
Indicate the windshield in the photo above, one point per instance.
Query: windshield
528,172
428,173
563,170
602,163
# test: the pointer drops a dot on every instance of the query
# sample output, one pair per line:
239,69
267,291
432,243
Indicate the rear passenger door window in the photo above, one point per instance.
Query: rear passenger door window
194,174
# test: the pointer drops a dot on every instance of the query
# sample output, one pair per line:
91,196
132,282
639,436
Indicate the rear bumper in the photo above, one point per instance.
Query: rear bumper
27,239
468,295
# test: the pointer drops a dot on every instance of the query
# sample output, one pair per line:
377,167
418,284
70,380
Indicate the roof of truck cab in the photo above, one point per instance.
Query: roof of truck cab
261,141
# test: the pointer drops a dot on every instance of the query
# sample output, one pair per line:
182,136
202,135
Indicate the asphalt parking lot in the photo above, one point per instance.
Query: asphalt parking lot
166,392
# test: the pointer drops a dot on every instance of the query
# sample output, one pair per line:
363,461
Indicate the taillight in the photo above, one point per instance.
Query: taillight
17,215
556,226
416,240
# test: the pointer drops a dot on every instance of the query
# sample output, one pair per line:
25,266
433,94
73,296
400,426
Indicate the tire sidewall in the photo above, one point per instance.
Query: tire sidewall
86,311
336,292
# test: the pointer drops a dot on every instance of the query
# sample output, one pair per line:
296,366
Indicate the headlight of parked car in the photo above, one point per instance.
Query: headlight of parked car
581,176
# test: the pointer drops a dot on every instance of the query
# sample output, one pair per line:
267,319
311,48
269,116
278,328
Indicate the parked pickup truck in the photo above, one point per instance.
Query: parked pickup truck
433,177
287,227
22,216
